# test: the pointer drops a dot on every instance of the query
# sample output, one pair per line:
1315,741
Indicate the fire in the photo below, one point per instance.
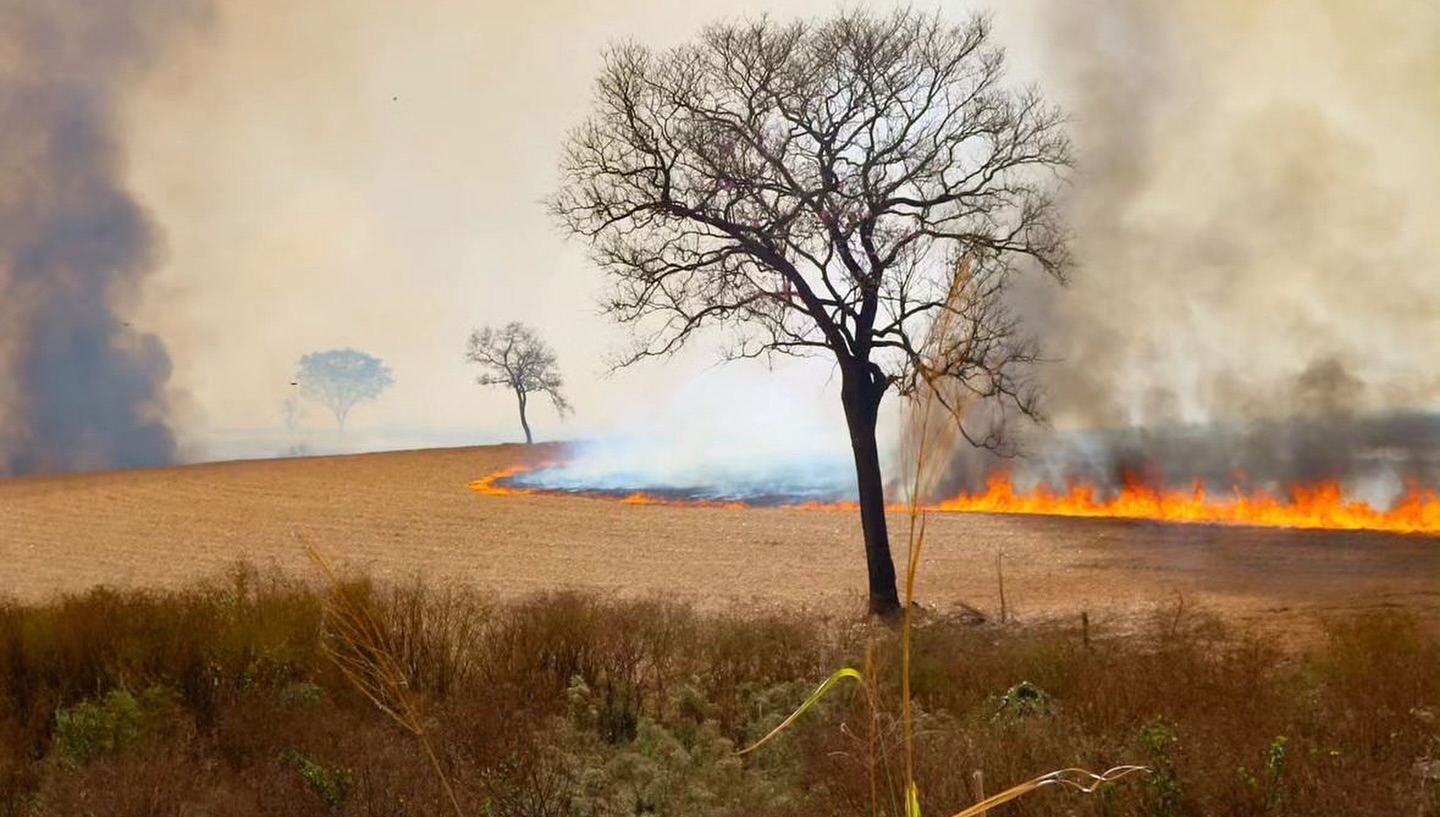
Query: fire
640,498
496,484
1319,506
492,484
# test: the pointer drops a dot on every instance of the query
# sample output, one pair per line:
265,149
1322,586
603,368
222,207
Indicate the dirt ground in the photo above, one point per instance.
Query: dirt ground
400,515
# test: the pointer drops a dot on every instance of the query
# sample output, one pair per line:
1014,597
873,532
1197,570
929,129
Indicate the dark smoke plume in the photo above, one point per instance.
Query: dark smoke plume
79,389
1258,299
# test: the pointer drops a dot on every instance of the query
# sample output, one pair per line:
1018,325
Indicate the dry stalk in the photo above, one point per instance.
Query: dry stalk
359,645
1000,580
932,433
874,730
1078,779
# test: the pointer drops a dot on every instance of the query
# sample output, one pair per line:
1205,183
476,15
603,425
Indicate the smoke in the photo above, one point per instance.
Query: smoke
728,434
82,389
1254,215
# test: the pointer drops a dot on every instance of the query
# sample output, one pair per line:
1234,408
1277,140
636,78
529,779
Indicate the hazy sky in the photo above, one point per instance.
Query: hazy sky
338,173
354,172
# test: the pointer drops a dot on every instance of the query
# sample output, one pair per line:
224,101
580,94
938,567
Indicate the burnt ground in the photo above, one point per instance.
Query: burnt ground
407,514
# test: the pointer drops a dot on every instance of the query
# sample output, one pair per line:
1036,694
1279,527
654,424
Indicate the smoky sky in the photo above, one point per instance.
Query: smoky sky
81,389
371,174
1254,214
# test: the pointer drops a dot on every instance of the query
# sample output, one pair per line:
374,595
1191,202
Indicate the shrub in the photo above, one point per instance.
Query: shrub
219,699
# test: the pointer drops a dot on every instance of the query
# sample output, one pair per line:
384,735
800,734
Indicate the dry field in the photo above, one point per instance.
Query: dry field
399,515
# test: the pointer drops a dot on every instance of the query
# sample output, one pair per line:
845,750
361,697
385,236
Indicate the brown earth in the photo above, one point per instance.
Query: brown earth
405,514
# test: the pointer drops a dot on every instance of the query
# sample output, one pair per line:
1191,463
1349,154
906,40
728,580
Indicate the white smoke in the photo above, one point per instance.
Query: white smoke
731,433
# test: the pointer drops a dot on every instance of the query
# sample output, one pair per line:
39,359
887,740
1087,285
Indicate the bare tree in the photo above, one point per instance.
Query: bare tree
809,188
515,357
342,378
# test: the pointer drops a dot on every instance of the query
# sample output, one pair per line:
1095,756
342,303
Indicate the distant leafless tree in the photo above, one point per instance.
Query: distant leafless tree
342,378
809,188
515,357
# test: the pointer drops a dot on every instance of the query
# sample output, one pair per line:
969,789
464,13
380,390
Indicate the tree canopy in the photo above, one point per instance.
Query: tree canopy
342,378
812,188
516,357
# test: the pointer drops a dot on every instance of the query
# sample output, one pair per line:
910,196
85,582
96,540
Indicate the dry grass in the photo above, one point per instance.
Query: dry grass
398,515
222,700
379,658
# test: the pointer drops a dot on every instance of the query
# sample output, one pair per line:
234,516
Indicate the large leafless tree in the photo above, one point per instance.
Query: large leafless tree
516,357
810,188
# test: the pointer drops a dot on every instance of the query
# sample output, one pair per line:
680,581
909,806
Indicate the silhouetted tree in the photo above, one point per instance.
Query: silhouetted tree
811,187
341,378
517,358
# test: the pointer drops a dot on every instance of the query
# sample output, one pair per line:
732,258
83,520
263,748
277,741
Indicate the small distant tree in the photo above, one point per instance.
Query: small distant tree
341,378
515,357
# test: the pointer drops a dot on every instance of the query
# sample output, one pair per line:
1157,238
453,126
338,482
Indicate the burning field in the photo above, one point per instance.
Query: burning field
404,514
1322,506
1242,519
1372,481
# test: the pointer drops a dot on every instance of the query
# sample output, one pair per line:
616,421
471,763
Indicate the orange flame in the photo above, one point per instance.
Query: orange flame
1322,505
641,498
1319,506
490,485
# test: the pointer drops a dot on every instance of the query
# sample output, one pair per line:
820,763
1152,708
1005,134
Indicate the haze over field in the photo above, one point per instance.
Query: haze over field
1255,203
1259,276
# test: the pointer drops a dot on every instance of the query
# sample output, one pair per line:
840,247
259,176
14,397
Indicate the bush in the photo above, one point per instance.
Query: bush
117,721
221,700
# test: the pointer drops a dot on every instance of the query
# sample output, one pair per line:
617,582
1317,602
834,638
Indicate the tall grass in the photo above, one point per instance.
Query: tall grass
372,657
223,700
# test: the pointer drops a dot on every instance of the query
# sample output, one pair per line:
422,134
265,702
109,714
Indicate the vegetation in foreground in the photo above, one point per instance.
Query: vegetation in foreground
224,700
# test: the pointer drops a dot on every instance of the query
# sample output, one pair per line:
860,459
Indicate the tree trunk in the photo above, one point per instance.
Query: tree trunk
520,395
861,397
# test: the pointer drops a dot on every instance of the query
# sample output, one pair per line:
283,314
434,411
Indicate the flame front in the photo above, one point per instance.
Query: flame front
494,484
1320,506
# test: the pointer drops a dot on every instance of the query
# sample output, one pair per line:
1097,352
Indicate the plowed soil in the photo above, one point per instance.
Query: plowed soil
407,514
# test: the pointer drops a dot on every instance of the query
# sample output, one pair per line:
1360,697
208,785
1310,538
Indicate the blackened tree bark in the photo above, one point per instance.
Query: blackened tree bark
861,390
812,189
520,397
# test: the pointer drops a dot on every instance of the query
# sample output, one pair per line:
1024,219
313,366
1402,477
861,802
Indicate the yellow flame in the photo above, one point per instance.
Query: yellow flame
1318,506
